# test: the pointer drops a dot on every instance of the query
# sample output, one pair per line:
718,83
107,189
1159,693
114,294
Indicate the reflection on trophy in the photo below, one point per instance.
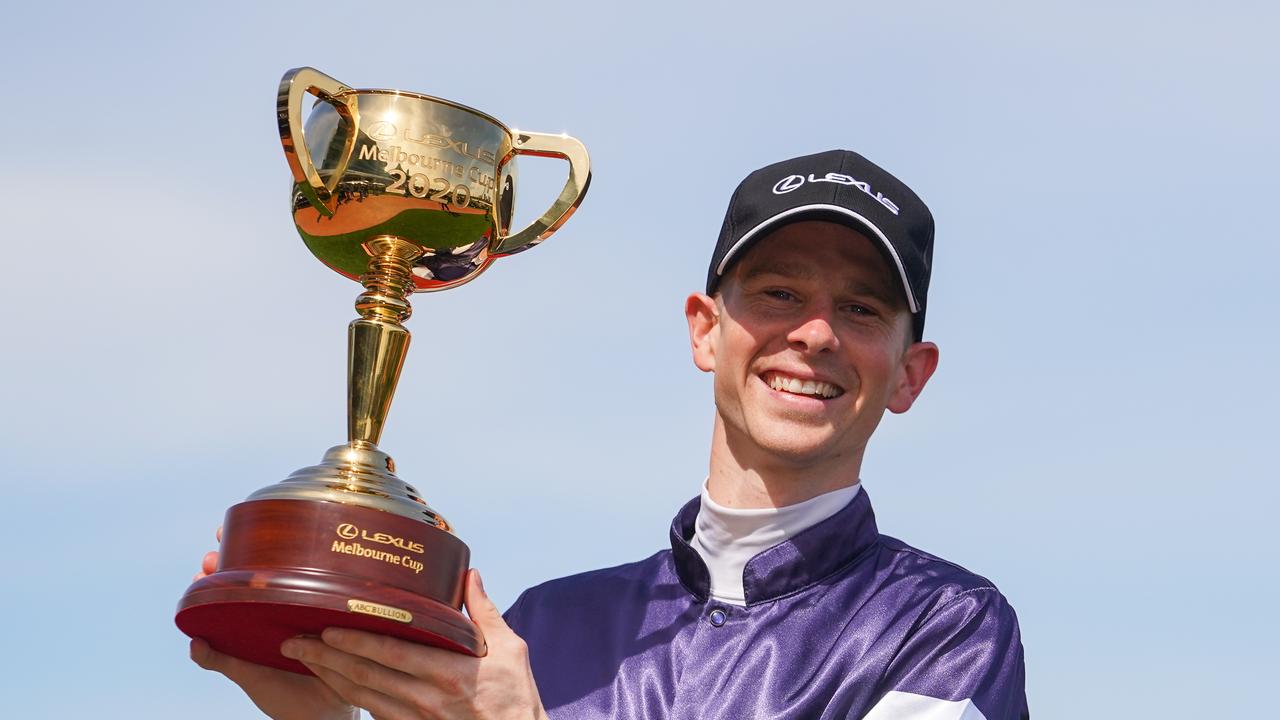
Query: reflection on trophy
402,192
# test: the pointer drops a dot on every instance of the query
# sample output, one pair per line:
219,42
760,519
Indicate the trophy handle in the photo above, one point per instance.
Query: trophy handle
296,83
575,188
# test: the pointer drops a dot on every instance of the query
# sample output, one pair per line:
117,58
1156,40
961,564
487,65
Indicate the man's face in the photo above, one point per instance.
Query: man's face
809,343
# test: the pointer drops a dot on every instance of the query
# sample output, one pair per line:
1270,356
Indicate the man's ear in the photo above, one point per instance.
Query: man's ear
703,317
918,363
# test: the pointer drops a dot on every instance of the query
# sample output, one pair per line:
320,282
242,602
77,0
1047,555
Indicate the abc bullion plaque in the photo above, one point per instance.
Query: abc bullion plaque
402,192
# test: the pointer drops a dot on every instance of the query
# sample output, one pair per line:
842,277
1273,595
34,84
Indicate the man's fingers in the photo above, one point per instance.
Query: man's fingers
209,563
219,533
384,679
417,660
378,704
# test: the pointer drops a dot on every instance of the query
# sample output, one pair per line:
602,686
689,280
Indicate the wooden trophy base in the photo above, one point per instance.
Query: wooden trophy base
295,567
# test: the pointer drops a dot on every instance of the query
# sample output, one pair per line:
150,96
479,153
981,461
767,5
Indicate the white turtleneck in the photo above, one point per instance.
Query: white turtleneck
727,538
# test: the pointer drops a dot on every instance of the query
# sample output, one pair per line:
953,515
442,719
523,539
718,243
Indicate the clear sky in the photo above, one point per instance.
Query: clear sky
1097,440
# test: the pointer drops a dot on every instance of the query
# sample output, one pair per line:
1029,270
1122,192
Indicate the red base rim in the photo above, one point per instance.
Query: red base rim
251,621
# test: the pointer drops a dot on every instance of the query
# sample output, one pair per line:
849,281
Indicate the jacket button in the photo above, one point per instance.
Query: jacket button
718,617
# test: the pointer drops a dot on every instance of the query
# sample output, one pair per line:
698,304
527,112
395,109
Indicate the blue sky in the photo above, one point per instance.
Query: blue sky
1098,439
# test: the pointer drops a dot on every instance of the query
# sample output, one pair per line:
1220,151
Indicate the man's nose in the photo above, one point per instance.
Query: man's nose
814,335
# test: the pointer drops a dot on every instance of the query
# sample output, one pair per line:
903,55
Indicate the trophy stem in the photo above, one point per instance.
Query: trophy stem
376,342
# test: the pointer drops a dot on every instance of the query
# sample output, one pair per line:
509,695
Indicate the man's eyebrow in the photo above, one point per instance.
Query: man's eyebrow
785,269
879,291
882,291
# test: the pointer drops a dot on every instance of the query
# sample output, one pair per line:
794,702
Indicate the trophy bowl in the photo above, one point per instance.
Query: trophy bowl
403,192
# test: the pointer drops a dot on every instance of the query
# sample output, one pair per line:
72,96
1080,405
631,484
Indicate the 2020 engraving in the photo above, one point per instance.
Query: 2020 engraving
422,186
437,187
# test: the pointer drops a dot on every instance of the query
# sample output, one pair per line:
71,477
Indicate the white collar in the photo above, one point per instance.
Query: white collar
726,538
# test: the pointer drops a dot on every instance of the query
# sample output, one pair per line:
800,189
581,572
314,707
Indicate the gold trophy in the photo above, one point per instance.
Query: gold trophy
403,192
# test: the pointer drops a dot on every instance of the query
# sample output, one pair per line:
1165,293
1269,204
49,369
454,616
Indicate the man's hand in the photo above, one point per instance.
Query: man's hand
399,680
281,695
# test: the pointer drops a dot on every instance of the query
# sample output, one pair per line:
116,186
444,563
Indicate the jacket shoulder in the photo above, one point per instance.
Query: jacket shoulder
940,579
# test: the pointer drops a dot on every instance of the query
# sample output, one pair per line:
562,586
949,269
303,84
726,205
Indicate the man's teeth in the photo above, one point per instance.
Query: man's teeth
803,387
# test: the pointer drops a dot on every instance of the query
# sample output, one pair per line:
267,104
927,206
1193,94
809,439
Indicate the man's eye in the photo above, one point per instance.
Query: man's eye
855,309
779,294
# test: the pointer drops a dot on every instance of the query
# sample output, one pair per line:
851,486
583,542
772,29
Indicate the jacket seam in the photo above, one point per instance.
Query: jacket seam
955,598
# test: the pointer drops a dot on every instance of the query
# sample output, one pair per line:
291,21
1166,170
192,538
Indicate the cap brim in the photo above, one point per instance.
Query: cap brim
822,211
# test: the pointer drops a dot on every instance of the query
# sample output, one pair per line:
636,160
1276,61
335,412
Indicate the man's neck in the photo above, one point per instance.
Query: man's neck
741,476
728,538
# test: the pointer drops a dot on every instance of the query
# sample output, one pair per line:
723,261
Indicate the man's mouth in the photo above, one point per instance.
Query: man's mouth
812,388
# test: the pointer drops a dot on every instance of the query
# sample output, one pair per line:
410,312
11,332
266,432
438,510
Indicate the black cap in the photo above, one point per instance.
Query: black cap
838,186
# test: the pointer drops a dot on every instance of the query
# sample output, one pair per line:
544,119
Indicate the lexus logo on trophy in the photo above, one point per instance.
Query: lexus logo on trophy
401,192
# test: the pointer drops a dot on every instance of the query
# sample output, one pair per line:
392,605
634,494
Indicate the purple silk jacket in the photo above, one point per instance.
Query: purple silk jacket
837,618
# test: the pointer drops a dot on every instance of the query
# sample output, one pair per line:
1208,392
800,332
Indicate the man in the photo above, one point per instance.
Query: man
778,597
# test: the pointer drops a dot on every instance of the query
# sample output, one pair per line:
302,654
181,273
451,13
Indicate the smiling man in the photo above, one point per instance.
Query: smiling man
778,598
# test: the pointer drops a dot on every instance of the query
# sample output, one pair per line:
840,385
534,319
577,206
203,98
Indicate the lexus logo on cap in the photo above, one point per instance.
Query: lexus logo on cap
791,182
787,184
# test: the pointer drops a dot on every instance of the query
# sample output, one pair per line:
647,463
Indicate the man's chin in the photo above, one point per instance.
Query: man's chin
798,450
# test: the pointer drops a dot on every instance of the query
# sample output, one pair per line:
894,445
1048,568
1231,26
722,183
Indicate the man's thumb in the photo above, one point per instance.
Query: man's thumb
481,609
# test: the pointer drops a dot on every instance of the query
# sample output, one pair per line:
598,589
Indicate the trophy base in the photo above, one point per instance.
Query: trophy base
295,567
250,613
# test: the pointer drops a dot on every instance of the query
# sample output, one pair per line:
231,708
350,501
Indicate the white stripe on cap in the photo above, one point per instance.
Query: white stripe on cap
902,271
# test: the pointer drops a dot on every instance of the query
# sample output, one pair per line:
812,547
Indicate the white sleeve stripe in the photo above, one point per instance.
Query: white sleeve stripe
896,705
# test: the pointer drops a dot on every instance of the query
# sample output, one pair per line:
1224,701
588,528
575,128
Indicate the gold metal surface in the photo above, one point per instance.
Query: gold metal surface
431,172
363,476
289,117
404,192
556,146
377,342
